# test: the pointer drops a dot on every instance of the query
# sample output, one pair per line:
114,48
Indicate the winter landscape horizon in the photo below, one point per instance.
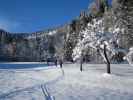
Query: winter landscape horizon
66,50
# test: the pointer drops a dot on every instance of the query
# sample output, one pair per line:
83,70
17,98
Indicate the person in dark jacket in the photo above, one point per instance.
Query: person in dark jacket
55,61
61,62
47,61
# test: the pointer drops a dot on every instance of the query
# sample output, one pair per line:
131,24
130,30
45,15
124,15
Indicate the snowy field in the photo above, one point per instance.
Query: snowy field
52,83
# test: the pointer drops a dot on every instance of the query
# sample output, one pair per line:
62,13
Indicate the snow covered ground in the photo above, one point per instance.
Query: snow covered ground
67,84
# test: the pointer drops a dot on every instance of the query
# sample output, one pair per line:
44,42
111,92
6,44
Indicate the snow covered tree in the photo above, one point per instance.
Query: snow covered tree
71,39
95,36
129,56
123,10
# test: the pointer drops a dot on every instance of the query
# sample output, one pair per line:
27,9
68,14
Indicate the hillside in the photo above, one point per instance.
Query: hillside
63,41
37,46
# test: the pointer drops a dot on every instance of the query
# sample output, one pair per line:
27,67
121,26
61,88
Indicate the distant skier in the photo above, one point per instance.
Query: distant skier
61,62
47,61
55,61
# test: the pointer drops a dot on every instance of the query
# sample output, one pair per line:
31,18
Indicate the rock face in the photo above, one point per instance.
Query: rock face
32,47
23,47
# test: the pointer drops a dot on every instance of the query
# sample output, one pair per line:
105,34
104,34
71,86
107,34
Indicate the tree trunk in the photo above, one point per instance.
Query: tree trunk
81,63
107,60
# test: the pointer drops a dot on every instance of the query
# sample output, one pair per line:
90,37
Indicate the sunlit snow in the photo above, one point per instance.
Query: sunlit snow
67,83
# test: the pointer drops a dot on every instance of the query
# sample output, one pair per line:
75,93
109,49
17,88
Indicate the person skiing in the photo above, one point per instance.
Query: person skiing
55,61
61,62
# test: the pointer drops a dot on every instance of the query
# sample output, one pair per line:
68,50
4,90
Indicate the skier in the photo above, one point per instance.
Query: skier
61,62
55,61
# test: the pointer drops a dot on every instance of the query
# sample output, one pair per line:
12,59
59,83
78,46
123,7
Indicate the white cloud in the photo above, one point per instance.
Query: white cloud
9,25
4,25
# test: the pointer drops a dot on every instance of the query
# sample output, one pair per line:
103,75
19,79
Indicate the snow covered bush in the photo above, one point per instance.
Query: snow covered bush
129,56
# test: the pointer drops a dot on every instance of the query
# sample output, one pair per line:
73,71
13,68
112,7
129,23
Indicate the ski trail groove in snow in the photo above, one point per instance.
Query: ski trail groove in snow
45,90
46,93
40,86
5,95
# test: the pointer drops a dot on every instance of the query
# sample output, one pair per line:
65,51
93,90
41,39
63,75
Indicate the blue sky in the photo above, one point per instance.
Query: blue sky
36,15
